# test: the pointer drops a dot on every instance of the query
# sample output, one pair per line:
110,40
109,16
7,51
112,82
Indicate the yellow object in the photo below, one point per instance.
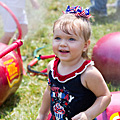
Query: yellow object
115,116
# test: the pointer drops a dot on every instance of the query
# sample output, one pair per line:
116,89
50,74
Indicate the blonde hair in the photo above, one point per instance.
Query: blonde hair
78,25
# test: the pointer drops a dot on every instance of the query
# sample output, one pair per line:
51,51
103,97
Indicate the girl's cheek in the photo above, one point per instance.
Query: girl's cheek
54,49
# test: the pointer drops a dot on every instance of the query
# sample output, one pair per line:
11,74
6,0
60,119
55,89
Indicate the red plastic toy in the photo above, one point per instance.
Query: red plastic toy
34,61
106,56
11,69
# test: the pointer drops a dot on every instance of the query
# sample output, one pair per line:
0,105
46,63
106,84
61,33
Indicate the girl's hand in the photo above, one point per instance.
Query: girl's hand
81,116
38,117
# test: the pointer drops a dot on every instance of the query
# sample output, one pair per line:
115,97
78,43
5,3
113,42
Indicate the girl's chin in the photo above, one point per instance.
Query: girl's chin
64,58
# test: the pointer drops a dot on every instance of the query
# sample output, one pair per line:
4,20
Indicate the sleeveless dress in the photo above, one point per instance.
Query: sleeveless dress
68,96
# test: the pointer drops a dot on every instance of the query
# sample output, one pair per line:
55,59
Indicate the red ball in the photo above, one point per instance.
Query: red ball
106,56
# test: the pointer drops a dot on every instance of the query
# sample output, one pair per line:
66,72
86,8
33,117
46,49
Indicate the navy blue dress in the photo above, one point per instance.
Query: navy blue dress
68,96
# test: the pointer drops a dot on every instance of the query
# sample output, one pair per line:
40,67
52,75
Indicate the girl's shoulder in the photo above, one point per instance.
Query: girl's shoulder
92,77
91,71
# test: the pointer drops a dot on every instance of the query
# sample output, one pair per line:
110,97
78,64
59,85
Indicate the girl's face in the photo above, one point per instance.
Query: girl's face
68,47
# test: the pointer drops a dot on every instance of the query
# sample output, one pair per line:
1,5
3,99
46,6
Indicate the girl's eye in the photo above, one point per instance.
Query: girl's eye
72,39
57,38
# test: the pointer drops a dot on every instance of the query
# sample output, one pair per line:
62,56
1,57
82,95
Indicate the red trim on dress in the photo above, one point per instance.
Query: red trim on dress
71,75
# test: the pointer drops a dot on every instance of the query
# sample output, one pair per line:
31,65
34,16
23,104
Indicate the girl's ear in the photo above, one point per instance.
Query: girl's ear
86,45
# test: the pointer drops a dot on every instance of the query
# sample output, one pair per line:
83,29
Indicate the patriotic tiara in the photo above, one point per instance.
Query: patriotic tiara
77,10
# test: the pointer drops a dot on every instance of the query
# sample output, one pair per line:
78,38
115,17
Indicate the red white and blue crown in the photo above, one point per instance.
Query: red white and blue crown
78,11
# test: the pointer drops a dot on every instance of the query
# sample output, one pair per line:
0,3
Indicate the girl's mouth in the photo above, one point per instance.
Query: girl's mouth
63,51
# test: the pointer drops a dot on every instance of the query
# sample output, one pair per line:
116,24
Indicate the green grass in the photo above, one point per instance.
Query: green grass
26,101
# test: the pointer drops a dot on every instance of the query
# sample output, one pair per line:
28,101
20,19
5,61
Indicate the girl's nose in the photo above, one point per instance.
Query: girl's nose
63,43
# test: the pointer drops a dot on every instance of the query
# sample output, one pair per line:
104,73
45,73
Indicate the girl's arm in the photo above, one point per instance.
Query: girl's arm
93,80
45,107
